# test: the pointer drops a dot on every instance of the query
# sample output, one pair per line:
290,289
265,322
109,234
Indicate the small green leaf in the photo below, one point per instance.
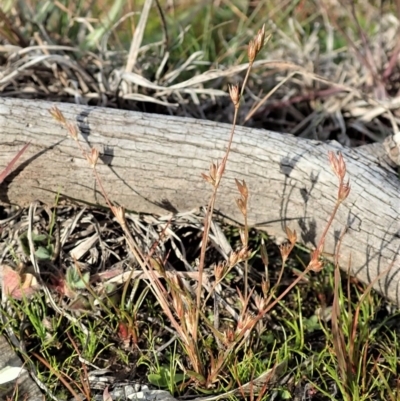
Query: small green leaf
110,287
163,377
39,238
74,280
44,253
82,283
40,241
156,380
311,324
178,377
196,376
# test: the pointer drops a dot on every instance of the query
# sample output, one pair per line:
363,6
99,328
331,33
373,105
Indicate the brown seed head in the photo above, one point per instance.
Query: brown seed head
219,270
93,157
265,285
344,191
234,94
252,51
315,264
73,130
242,206
233,259
119,213
57,115
242,188
259,41
292,236
244,253
244,325
260,302
285,251
208,179
338,165
213,172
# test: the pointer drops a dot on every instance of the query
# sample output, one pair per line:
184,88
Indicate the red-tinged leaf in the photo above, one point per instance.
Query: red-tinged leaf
10,165
10,279
17,286
126,335
123,331
60,285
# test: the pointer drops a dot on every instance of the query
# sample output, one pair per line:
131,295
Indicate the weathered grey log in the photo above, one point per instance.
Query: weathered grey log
24,386
152,162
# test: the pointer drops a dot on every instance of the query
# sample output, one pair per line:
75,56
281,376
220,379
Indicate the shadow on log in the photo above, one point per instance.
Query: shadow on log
151,163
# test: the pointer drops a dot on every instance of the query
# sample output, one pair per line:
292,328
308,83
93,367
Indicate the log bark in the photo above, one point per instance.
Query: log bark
151,163
24,386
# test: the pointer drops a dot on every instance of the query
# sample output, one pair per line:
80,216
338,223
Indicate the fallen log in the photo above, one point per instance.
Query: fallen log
24,386
151,163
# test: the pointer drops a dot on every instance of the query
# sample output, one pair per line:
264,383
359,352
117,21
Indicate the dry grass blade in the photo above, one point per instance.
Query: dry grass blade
11,164
138,36
12,33
14,72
